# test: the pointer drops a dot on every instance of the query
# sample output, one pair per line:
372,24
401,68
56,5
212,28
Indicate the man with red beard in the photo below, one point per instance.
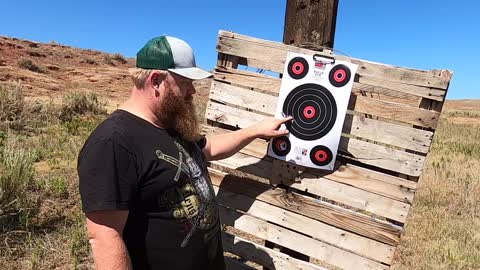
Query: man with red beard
144,183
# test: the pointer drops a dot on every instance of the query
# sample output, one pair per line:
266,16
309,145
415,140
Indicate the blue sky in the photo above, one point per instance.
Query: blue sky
423,34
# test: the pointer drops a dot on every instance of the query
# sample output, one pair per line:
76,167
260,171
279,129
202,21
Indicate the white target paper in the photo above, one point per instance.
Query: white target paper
315,91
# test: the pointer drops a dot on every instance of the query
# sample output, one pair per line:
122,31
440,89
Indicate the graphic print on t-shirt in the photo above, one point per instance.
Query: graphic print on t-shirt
198,204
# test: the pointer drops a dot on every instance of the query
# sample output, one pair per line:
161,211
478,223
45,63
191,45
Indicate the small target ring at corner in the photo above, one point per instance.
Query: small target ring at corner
297,68
339,75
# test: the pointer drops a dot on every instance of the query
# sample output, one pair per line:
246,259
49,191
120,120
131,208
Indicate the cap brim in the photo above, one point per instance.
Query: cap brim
193,73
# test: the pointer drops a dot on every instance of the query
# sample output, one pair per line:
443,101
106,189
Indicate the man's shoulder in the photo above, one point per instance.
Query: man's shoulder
111,129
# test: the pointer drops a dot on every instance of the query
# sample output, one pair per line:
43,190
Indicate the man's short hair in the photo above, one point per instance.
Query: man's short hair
139,76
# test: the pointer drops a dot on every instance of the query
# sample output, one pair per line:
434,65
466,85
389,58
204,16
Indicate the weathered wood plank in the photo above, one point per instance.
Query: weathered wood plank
388,91
382,156
401,136
264,256
297,242
343,219
240,96
406,89
229,61
375,130
379,183
395,111
383,93
271,55
247,79
326,188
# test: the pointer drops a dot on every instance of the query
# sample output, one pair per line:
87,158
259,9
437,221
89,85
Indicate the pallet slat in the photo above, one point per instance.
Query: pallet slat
371,87
395,111
271,55
264,256
368,153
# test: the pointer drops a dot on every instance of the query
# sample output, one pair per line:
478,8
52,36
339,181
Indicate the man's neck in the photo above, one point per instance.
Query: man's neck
139,106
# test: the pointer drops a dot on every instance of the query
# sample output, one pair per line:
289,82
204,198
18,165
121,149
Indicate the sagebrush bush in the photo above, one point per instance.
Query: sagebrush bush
12,104
90,61
78,103
16,179
16,113
108,60
26,63
118,57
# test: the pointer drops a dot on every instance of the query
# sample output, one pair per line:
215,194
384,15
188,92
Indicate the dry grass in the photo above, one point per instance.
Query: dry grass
42,226
443,229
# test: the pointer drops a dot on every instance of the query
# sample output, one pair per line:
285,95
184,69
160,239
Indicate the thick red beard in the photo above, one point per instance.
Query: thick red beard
179,114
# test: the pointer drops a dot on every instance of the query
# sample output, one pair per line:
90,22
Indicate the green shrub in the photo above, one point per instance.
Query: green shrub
36,54
77,103
90,61
12,104
16,179
26,63
108,60
118,57
18,114
54,185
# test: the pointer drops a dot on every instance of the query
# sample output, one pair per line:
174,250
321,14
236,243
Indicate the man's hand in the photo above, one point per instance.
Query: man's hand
225,145
268,128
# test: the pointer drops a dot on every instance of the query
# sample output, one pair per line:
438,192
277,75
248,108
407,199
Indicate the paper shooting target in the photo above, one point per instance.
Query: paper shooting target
315,90
314,109
298,68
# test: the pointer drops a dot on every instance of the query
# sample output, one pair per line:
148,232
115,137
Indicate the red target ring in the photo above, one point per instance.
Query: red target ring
340,75
309,112
321,155
298,68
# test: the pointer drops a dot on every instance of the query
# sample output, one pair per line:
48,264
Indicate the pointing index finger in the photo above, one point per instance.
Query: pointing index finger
285,119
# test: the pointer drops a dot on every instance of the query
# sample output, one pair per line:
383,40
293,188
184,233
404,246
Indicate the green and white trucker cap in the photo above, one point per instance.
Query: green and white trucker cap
172,54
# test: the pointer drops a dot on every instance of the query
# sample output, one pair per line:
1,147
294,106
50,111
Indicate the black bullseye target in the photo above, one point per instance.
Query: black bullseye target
298,68
321,155
314,111
339,75
281,146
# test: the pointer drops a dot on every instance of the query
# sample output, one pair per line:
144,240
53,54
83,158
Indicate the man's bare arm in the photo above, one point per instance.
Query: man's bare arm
225,145
105,230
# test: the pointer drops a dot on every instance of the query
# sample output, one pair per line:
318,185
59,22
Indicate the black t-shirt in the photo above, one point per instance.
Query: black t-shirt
173,223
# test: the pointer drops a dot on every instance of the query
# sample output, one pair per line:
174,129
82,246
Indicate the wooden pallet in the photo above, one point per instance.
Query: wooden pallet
351,218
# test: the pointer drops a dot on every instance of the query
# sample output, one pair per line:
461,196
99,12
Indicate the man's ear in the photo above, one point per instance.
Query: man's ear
155,80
